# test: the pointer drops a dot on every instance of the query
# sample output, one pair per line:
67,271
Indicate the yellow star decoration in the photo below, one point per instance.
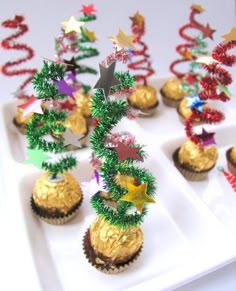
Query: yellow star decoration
90,35
198,8
137,19
230,35
72,25
123,40
187,55
137,195
207,60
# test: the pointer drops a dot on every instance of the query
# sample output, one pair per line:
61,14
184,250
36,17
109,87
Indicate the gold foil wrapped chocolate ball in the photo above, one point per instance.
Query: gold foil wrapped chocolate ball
83,102
172,93
56,198
233,154
144,98
20,121
231,160
184,111
111,248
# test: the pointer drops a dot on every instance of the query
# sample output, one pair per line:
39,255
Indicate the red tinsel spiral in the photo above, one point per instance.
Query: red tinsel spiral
182,49
65,43
9,44
143,63
216,75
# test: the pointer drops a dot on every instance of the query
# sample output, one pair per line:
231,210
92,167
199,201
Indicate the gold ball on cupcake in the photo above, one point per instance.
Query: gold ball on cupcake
144,98
231,160
195,161
172,93
83,102
57,198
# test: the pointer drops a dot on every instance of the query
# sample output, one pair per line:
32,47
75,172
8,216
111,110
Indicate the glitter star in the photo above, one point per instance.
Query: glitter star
88,9
90,35
123,40
198,8
191,78
138,196
186,55
95,184
71,138
207,138
35,157
195,103
137,19
64,88
208,32
231,35
71,65
125,151
107,79
207,60
72,25
33,105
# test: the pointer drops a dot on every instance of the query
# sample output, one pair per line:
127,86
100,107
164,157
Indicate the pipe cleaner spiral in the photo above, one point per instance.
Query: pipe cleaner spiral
216,79
183,49
143,63
9,44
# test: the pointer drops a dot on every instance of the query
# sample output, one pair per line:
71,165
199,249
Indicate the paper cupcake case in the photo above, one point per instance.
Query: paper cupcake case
189,232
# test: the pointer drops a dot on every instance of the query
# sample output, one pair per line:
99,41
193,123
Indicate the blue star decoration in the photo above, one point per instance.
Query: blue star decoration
207,138
107,78
195,103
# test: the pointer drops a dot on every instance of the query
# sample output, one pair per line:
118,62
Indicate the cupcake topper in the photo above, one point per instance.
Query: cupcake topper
128,188
143,62
214,86
184,49
72,40
9,44
46,130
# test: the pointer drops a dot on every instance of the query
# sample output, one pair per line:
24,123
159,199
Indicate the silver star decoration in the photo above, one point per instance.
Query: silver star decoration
71,138
107,78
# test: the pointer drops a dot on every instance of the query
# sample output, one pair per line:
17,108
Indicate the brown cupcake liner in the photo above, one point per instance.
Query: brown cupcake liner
103,267
57,219
20,126
230,164
168,101
147,111
188,173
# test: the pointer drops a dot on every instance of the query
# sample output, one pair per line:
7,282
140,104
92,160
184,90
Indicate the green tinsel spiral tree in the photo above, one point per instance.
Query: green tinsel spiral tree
51,121
108,113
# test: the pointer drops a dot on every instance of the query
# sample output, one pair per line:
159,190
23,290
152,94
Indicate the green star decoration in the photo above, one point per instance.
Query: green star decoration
225,89
35,157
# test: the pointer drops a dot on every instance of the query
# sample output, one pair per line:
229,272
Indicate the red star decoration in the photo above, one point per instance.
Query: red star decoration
208,32
67,105
125,151
87,9
190,78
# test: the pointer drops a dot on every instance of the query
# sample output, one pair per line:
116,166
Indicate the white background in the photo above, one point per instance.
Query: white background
163,18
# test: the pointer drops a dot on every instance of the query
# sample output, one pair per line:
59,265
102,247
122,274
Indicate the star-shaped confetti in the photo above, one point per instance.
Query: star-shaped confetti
207,60
64,88
208,32
88,9
72,138
123,40
35,157
207,138
33,105
191,78
94,185
198,8
90,35
195,103
71,65
186,55
138,196
125,151
107,78
70,76
72,25
137,19
231,35
224,89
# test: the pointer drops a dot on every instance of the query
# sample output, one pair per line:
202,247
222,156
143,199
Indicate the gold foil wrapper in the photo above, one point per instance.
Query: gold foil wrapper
76,123
143,97
196,157
233,154
19,119
83,102
113,244
58,196
171,89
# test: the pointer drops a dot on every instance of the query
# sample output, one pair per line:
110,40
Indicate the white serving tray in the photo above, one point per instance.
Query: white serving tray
188,233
